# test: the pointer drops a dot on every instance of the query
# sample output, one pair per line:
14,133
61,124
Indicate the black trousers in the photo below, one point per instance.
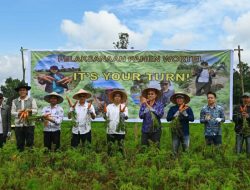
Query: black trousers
52,137
112,139
76,138
2,140
154,137
24,137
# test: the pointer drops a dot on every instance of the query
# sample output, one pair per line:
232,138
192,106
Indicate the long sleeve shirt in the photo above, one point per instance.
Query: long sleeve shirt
113,118
21,104
238,119
184,118
83,118
56,113
145,114
208,116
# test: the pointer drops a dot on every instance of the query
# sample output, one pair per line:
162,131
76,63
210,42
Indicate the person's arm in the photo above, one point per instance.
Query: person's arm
203,116
34,107
158,110
92,112
8,119
170,115
187,115
14,112
143,111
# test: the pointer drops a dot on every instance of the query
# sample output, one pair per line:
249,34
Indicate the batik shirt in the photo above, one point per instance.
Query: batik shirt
212,127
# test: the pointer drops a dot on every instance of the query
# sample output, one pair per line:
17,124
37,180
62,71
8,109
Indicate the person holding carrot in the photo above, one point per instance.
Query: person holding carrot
241,118
151,112
83,113
115,114
22,107
180,115
53,116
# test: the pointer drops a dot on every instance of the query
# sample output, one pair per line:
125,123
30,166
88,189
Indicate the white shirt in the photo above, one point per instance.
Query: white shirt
113,116
83,118
1,124
204,76
56,114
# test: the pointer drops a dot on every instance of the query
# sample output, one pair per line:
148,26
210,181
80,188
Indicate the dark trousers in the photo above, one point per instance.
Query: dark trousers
154,137
216,140
2,140
239,143
76,138
52,137
24,136
206,86
112,139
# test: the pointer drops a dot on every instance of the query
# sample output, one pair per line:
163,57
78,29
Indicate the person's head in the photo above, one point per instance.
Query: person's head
165,84
1,98
53,69
211,98
22,89
53,98
82,95
117,97
245,98
204,64
180,98
152,95
23,92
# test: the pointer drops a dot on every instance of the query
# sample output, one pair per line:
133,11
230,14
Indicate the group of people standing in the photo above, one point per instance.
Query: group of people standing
151,112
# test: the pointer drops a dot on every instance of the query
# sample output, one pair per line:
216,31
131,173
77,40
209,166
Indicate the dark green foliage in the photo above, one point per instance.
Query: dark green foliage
9,89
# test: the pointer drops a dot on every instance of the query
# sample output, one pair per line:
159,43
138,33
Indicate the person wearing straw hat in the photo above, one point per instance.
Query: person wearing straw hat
84,113
24,129
241,118
53,115
180,115
151,111
5,121
212,115
115,114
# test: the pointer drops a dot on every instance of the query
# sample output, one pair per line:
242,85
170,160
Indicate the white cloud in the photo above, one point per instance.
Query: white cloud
237,33
10,67
181,40
99,31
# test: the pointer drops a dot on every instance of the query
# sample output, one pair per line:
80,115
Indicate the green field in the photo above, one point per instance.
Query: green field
91,168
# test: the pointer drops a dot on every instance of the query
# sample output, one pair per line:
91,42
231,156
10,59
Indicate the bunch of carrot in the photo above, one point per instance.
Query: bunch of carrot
24,114
183,107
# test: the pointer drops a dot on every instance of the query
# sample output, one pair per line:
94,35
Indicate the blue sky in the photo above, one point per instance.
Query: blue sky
152,24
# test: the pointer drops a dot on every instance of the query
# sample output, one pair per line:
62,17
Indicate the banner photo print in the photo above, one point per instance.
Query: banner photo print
100,72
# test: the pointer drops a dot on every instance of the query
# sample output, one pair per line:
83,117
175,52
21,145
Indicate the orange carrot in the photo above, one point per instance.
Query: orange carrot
69,101
105,108
243,108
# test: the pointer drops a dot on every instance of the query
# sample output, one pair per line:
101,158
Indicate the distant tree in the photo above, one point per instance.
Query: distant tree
237,91
8,89
123,41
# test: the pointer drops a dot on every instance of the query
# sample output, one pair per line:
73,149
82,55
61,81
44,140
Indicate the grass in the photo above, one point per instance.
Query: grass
91,168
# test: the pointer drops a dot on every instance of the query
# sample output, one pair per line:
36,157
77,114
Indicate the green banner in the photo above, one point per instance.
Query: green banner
191,72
